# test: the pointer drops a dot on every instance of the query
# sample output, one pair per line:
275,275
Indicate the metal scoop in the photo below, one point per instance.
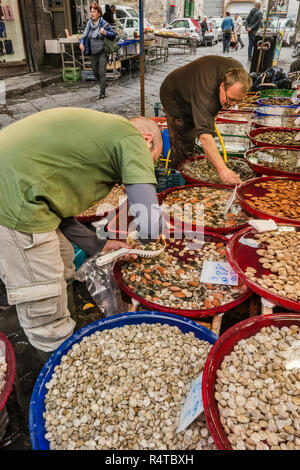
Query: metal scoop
109,257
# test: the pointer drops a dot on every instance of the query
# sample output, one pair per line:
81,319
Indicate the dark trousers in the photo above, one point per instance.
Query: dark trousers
239,39
99,62
251,37
226,41
182,135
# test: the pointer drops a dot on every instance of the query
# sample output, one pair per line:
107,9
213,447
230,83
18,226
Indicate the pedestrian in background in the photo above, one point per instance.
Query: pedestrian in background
95,32
238,27
227,27
252,25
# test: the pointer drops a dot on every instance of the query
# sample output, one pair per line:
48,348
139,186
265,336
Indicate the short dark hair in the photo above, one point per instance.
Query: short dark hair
97,7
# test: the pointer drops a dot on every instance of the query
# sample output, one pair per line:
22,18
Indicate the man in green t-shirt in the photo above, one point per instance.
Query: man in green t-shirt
54,165
192,96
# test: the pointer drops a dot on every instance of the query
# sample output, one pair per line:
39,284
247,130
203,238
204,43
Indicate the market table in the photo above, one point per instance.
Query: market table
183,42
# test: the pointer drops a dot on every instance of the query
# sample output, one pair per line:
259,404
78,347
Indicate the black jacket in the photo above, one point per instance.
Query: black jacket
253,20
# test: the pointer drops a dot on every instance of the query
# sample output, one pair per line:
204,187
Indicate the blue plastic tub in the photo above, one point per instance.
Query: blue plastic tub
37,407
262,101
166,142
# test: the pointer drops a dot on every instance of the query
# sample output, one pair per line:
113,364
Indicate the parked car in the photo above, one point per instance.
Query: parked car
185,25
218,22
131,26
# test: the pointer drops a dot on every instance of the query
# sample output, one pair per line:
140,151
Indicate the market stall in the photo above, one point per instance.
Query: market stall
123,382
178,41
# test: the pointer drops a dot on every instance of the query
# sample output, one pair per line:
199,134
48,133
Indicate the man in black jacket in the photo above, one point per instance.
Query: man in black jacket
252,25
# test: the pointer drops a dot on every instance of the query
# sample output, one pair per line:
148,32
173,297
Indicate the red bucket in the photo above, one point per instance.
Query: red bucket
263,130
264,170
249,187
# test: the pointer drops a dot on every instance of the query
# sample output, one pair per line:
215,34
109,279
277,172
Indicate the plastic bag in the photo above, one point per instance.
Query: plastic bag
101,284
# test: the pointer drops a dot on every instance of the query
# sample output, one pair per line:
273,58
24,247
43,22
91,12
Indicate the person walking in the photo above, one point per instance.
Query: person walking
238,28
95,32
227,27
53,165
252,25
192,96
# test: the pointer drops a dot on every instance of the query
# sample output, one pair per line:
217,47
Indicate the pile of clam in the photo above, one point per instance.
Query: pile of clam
124,388
258,391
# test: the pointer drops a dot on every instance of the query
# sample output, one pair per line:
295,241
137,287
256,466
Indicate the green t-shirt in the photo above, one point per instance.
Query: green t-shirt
56,163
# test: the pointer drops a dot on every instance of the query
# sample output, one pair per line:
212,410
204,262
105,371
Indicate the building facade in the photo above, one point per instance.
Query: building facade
24,25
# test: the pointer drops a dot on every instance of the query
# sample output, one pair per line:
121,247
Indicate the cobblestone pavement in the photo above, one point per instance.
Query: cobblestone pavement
123,95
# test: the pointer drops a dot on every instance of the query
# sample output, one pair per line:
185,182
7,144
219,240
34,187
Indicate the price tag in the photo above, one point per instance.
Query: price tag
218,272
193,405
230,201
249,242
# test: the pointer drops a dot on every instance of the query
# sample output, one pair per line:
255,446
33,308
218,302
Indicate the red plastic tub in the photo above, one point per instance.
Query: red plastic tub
221,348
262,130
191,180
264,170
249,188
194,227
241,256
213,237
11,370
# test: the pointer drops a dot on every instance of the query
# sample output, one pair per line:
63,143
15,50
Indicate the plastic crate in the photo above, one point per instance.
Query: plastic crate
70,74
87,75
168,179
80,256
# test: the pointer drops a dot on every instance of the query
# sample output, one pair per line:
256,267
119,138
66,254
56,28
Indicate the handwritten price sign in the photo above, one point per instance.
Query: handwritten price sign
218,272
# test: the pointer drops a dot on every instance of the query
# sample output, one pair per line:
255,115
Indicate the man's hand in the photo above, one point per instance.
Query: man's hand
81,47
229,177
102,31
113,245
248,29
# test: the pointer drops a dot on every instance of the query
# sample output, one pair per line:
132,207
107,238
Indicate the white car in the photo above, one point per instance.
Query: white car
131,26
185,26
123,12
218,22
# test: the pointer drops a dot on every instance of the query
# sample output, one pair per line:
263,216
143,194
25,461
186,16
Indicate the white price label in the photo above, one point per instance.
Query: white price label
218,272
193,405
263,225
230,201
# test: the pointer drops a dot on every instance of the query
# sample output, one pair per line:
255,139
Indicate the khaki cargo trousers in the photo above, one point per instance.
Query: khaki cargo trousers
34,268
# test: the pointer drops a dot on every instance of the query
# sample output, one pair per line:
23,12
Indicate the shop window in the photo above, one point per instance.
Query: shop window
11,37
